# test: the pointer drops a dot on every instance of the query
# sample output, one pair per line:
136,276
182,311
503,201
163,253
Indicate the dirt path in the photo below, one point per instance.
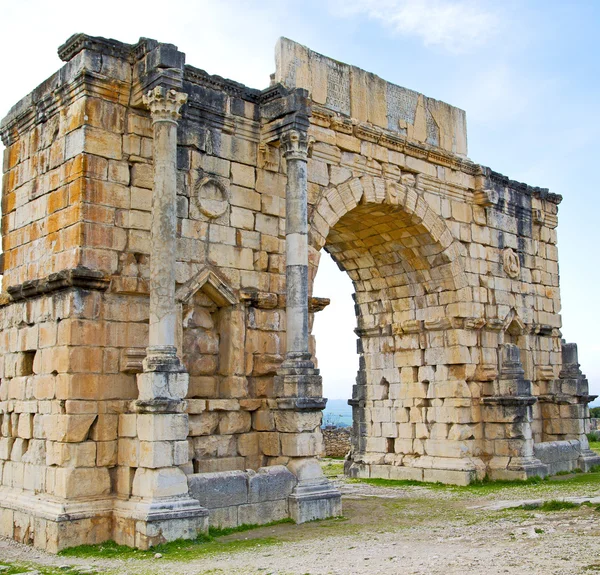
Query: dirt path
407,530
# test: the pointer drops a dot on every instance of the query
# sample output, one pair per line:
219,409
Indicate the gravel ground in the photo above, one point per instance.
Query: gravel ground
407,530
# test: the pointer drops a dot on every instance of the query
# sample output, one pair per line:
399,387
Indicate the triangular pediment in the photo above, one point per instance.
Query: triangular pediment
513,324
209,283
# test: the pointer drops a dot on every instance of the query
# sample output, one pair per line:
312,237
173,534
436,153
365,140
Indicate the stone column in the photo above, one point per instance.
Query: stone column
164,107
295,150
163,509
298,385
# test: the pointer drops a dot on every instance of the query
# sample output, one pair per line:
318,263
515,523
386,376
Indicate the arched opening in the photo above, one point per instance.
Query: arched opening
407,274
334,331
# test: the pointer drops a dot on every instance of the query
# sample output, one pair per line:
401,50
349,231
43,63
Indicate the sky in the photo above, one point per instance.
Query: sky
525,71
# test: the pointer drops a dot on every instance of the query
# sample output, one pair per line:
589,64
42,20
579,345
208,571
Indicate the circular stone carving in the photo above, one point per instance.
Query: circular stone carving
512,265
212,197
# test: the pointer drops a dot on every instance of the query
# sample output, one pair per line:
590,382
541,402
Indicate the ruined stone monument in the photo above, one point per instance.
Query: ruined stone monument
161,232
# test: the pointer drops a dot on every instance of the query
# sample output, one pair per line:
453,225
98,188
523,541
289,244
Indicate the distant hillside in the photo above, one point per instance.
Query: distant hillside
337,412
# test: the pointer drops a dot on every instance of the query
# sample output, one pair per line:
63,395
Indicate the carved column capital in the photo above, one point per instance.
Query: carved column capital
164,104
295,145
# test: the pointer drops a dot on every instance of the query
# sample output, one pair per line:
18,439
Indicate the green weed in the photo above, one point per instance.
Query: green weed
552,505
181,549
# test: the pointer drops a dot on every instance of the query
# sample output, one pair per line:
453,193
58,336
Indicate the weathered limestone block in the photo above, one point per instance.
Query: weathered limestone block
68,428
235,422
165,482
225,489
75,482
301,444
71,454
270,484
291,421
203,423
162,427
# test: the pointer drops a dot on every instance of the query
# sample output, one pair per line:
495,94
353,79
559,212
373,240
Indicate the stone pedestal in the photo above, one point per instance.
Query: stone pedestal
314,496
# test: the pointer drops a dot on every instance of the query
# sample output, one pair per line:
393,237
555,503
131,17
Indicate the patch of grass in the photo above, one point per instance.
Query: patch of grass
594,444
538,530
23,568
378,482
181,549
552,505
477,486
223,531
332,467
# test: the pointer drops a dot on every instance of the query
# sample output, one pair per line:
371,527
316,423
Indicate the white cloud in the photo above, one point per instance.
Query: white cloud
455,25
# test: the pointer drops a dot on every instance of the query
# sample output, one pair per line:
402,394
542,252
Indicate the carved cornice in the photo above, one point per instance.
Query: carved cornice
391,140
42,106
199,77
79,42
77,277
295,145
164,104
505,181
509,400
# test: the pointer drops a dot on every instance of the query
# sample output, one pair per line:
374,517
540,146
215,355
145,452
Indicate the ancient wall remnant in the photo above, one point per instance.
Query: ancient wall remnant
161,231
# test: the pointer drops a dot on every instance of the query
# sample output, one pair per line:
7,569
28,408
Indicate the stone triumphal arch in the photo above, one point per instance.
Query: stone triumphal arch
161,232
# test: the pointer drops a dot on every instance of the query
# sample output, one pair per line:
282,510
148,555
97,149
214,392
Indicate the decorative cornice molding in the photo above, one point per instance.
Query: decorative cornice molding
79,42
164,104
77,277
365,131
392,140
202,78
42,106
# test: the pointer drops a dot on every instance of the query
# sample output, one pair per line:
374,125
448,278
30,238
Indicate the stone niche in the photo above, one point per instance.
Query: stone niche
161,230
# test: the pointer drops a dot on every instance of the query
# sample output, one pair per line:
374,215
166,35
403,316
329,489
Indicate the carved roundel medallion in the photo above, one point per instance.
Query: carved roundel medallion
212,197
512,265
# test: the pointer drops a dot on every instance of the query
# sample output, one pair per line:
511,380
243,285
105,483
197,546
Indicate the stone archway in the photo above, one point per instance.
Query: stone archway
163,189
408,274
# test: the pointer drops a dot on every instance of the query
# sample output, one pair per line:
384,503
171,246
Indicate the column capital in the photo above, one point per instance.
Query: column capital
295,145
164,104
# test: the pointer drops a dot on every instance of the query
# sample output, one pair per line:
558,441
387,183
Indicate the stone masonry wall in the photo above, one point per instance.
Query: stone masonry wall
337,441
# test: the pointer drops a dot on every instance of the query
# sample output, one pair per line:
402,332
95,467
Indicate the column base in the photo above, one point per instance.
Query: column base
314,497
302,384
588,459
146,523
162,386
516,468
51,523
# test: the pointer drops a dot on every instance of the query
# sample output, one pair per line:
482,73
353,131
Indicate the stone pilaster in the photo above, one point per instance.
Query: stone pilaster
574,417
298,385
508,413
163,509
